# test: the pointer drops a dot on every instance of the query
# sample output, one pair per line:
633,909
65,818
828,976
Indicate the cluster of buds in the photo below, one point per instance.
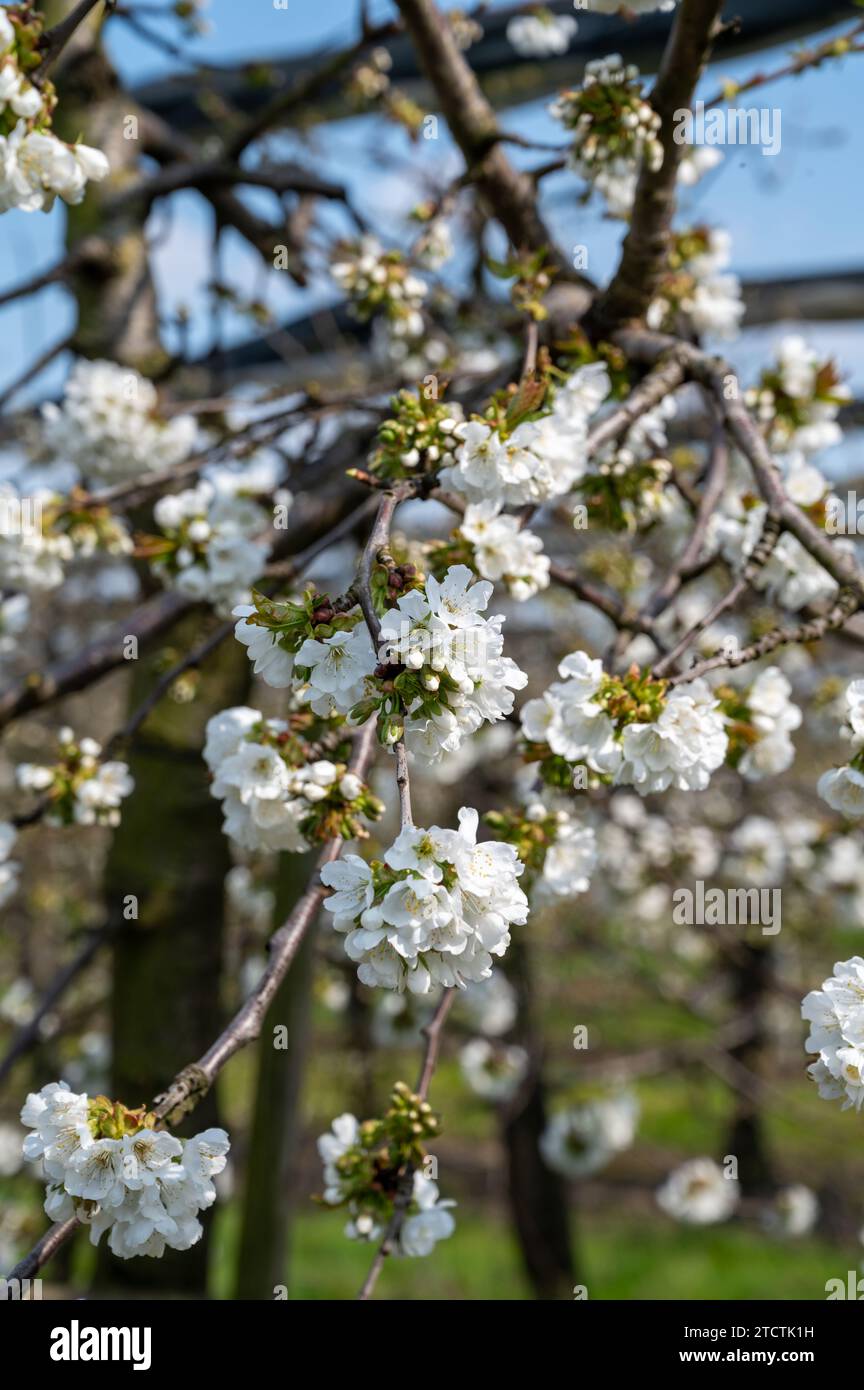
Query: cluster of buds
291,621
367,1165
688,250
21,30
90,530
466,30
380,282
531,276
614,128
531,830
369,79
391,579
79,788
419,437
625,495
369,84
797,400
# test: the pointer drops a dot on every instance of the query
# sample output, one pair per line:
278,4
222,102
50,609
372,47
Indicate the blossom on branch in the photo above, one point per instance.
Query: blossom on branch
109,424
277,793
116,1172
433,912
374,1169
80,789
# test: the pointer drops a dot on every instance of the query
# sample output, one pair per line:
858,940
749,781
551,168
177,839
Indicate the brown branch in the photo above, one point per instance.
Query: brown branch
837,47
666,377
510,194
645,249
77,672
54,40
762,552
715,483
847,603
37,366
717,375
379,539
403,783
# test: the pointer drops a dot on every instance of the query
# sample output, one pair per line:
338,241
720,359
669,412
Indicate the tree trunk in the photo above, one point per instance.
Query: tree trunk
537,1196
169,853
750,969
271,1170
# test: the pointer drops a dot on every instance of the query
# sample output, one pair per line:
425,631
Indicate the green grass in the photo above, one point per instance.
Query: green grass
630,1258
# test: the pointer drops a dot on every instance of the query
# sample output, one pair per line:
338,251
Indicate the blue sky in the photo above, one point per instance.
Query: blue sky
799,211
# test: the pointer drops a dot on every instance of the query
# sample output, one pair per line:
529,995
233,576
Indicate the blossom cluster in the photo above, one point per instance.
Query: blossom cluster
790,576
434,246
276,792
439,672
434,912
836,1017
116,1172
699,1193
537,459
212,542
42,533
9,869
110,426
585,1138
630,730
698,285
759,723
380,283
505,551
558,851
449,674
614,130
541,34
843,787
323,653
419,437
798,399
35,166
494,1070
368,1166
79,788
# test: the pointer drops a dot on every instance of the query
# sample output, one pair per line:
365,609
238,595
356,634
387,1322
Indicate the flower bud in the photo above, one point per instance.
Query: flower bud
350,786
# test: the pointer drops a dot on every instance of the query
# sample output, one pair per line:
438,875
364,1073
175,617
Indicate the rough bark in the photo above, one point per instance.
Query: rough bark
271,1169
537,1196
644,252
750,974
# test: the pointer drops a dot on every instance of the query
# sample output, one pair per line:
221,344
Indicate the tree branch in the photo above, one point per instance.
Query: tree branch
645,248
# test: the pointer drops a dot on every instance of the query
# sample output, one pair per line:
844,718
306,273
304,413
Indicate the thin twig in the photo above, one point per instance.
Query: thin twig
402,1201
